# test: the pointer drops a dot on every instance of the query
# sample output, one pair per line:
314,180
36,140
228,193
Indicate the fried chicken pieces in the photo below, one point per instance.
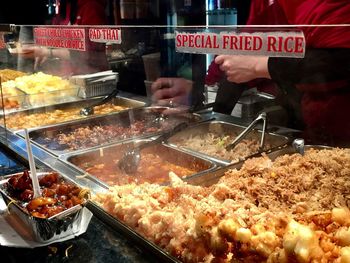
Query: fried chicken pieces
293,209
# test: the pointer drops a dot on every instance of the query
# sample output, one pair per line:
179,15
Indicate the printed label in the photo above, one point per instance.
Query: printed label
105,35
69,38
273,44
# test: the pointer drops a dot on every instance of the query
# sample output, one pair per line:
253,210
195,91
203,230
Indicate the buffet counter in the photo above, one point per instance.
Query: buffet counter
105,240
122,179
100,243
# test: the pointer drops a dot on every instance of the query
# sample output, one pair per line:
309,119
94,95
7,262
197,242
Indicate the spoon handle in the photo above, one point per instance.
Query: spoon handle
107,98
166,135
33,174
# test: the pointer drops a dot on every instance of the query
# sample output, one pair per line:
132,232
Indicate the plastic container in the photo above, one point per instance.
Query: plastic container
148,85
151,63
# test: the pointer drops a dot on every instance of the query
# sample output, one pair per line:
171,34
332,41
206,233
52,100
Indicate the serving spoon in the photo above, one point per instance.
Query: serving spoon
131,158
89,110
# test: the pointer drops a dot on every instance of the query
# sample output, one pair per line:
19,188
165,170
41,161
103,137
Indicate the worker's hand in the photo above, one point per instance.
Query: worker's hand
41,55
172,91
240,69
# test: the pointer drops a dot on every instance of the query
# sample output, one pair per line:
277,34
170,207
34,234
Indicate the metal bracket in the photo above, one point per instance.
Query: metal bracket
299,146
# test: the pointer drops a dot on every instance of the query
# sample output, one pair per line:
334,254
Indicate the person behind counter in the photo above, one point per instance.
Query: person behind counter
77,12
321,77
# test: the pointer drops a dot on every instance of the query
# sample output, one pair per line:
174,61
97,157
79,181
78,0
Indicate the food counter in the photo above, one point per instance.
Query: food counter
193,198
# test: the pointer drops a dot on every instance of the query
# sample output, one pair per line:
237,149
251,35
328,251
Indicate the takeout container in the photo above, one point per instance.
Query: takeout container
152,66
20,100
44,89
61,225
96,84
53,97
13,100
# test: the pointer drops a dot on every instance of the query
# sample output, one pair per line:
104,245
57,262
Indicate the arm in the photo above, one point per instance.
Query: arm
242,69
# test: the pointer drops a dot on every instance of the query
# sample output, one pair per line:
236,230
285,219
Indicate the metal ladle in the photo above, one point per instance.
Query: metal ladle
131,158
262,117
89,110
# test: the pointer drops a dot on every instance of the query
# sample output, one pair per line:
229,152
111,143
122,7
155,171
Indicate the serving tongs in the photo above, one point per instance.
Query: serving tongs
89,110
262,117
131,158
163,117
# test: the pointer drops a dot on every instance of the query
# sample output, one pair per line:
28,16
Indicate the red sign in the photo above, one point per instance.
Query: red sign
105,35
274,44
69,38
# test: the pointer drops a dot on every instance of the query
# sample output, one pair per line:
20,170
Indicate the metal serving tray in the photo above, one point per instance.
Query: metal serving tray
118,101
49,229
110,155
160,254
205,179
210,178
222,128
46,137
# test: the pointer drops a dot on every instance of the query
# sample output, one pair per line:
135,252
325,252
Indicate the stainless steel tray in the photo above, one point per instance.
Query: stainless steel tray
107,157
205,179
46,137
118,101
210,178
223,128
160,254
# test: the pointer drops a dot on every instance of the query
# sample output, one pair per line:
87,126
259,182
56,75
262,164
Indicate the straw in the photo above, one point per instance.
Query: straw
32,167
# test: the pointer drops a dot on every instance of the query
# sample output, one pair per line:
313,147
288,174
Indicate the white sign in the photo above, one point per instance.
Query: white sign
273,44
105,35
70,38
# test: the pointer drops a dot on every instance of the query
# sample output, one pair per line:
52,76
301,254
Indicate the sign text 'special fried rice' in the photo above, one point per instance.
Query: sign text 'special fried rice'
293,209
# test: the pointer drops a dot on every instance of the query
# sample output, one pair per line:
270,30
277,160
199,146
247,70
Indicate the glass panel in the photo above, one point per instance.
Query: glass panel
133,58
56,82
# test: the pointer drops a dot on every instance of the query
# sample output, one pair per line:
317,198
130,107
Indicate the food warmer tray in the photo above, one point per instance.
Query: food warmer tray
205,179
210,178
82,161
128,232
46,137
222,127
118,101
